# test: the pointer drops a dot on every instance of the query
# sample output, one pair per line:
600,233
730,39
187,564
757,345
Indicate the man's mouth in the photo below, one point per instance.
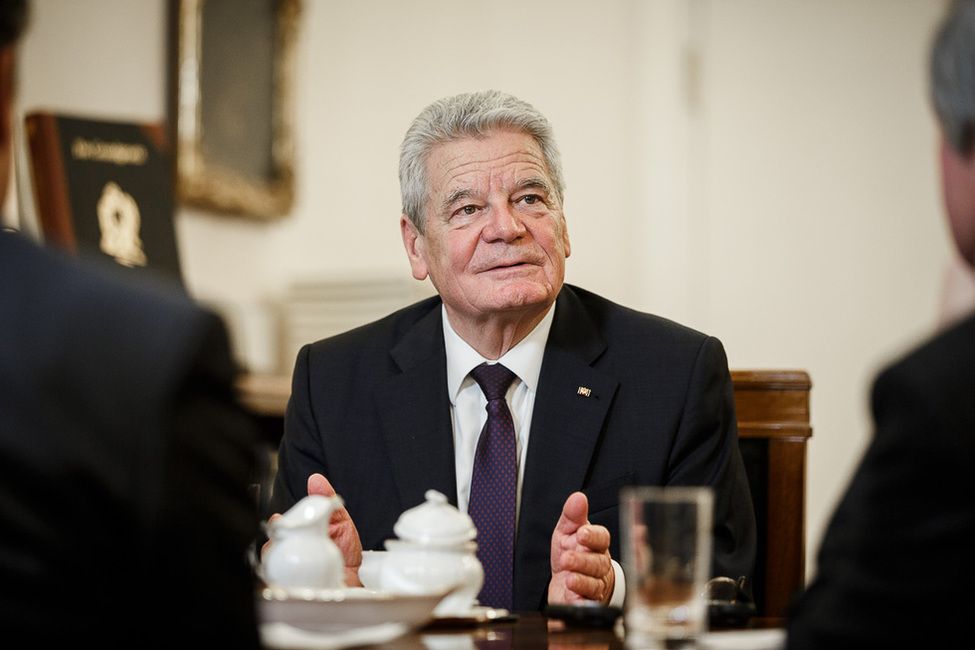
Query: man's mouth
506,266
501,265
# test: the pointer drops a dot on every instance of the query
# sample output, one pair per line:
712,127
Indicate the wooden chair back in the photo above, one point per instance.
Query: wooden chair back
772,408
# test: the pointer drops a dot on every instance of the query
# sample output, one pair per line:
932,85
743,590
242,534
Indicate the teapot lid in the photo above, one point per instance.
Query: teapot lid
435,522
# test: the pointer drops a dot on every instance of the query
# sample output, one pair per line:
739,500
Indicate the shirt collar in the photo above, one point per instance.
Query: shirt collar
525,359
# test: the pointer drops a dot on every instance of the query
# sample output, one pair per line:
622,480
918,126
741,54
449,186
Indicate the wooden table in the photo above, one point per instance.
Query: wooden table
530,630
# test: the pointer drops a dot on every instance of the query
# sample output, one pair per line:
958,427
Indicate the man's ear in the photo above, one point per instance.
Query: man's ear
414,243
565,237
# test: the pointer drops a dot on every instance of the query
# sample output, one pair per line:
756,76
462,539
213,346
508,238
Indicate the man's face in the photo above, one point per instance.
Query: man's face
958,192
495,237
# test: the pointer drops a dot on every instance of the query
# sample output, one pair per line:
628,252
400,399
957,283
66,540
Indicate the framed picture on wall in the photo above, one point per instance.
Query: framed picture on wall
233,104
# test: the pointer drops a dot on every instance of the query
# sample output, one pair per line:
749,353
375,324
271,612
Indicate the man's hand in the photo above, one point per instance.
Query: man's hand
581,566
341,528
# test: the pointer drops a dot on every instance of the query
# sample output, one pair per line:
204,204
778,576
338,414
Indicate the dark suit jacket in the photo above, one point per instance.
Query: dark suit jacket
369,409
895,568
124,463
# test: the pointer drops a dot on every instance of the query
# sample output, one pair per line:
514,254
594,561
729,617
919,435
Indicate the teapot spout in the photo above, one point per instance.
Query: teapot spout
310,510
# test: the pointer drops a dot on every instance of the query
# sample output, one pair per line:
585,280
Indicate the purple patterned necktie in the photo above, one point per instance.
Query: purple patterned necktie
494,485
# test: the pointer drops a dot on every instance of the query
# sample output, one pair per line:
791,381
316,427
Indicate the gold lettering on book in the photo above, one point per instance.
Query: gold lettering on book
119,153
119,221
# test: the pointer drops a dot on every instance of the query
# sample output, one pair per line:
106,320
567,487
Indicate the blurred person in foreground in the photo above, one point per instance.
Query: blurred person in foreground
125,515
603,396
895,566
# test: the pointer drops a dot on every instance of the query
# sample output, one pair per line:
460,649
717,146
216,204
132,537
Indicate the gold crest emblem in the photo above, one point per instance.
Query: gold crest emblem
119,221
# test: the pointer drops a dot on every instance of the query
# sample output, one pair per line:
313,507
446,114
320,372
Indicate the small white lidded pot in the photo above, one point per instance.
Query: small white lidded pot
302,555
434,553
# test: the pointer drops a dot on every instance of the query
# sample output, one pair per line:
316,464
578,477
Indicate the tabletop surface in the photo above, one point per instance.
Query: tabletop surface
528,630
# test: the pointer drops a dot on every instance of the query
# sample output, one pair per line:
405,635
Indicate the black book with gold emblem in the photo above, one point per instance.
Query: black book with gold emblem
104,189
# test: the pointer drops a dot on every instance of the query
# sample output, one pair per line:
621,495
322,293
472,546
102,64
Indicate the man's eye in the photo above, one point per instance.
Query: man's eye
531,199
468,209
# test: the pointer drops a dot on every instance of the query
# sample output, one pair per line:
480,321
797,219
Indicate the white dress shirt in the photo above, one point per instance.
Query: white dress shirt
468,403
468,412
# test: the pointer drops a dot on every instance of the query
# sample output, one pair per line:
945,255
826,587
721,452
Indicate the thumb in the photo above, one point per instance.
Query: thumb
575,513
318,484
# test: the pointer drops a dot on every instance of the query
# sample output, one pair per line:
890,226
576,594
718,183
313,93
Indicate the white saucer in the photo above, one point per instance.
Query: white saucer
282,636
474,616
766,639
341,610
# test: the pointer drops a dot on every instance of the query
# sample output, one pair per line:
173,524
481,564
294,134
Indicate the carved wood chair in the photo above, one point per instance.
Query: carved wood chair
772,408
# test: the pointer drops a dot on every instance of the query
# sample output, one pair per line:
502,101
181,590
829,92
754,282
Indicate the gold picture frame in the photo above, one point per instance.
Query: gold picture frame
233,86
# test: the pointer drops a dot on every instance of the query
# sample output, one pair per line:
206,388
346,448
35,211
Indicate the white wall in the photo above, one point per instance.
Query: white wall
822,240
777,188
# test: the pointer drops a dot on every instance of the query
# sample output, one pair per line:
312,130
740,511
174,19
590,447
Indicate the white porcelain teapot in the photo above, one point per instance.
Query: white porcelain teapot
302,555
434,553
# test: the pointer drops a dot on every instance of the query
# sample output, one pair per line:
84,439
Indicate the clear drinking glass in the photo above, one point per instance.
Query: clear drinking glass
666,542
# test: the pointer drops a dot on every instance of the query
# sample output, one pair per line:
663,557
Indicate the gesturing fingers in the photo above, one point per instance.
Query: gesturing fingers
587,587
589,537
587,563
583,575
581,565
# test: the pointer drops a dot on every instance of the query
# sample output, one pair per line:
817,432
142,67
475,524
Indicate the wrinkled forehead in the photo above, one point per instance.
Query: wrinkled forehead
509,157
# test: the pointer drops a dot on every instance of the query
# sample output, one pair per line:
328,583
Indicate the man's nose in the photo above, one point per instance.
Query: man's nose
505,222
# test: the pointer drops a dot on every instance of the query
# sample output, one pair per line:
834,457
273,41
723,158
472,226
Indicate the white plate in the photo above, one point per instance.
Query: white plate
282,636
340,610
770,639
474,616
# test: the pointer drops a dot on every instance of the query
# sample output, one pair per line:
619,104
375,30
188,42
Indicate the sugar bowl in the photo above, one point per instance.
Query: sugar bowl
434,552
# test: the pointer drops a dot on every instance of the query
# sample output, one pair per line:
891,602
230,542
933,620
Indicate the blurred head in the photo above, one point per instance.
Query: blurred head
468,115
13,18
953,97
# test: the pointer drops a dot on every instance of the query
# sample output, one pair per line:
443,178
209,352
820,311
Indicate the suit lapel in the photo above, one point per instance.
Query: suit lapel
571,406
414,414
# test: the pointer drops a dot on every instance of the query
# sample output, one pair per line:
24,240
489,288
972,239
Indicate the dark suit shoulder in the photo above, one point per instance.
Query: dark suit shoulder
940,367
628,337
87,292
612,314
372,352
930,389
378,336
940,357
140,334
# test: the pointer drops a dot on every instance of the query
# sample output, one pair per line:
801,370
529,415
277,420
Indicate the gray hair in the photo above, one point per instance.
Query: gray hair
953,76
468,115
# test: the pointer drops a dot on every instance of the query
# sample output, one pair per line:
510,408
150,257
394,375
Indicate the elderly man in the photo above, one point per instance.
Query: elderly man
600,396
895,566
